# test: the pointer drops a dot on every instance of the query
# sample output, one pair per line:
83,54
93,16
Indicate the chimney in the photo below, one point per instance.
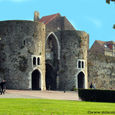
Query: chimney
36,16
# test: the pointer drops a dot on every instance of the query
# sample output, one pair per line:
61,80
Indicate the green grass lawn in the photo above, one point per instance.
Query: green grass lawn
53,107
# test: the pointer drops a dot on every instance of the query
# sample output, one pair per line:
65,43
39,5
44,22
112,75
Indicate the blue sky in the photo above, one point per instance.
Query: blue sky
92,16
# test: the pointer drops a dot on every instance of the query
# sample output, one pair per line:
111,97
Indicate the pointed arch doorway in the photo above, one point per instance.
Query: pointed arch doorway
52,46
50,78
36,80
52,61
81,80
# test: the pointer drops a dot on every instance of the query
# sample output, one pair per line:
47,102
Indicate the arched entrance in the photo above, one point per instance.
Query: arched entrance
81,80
52,61
36,80
50,78
52,46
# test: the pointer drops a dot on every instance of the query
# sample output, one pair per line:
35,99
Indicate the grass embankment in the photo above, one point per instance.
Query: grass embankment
54,107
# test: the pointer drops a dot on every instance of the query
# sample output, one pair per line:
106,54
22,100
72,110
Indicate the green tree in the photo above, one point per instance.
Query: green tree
108,1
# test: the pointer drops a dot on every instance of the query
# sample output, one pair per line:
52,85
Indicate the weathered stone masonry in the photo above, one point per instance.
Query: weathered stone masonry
101,70
19,42
73,48
101,64
46,53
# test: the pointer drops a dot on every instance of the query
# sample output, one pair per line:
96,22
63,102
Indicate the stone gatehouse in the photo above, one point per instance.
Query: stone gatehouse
47,53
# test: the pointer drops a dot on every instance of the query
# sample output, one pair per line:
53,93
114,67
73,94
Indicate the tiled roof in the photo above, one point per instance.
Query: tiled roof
110,42
100,42
104,44
47,19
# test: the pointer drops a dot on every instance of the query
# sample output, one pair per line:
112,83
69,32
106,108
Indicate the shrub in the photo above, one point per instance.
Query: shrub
97,95
74,89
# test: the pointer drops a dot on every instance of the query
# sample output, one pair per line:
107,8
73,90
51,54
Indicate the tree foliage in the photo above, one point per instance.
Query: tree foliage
108,1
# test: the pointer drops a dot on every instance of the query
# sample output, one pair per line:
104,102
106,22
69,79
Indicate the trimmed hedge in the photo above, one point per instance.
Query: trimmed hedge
97,95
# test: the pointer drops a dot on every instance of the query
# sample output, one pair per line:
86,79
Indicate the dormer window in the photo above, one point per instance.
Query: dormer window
80,64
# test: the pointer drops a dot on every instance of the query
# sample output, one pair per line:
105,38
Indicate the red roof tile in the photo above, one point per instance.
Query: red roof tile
47,19
101,42
104,44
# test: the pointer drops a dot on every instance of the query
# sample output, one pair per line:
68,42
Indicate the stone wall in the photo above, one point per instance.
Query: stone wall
109,52
97,48
58,24
73,47
39,44
66,24
54,26
17,45
101,70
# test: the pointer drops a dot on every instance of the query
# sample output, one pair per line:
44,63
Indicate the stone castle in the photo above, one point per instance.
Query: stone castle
49,54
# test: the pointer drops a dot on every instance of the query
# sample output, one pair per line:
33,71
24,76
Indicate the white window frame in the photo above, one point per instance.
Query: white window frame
36,60
82,66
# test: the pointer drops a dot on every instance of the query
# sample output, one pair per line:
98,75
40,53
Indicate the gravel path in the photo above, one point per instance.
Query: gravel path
69,95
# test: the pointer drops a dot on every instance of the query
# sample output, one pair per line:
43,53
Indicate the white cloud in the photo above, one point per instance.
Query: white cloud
95,21
14,0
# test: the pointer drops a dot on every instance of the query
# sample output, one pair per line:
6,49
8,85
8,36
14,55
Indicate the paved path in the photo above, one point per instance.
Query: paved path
69,95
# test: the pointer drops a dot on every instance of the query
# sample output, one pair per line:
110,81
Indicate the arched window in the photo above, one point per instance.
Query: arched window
24,42
38,61
82,64
79,64
34,60
51,38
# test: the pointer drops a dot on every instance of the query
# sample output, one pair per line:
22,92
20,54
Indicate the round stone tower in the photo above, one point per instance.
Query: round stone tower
73,64
22,54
